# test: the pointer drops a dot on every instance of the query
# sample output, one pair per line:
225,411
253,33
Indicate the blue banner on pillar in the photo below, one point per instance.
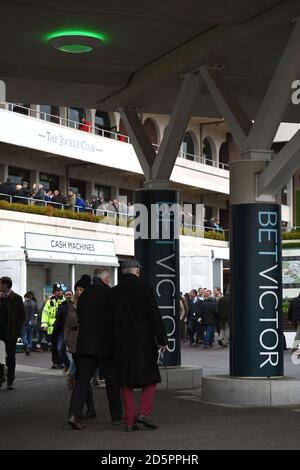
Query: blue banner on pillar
157,249
256,339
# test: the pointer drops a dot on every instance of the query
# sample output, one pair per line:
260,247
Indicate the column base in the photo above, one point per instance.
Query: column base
248,392
180,378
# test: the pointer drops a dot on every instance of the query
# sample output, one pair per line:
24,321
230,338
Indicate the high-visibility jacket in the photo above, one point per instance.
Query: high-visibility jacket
49,314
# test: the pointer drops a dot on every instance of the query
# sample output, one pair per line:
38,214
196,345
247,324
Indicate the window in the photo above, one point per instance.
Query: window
207,151
48,113
78,187
224,153
208,212
76,115
187,146
21,108
102,191
50,182
102,122
17,175
284,195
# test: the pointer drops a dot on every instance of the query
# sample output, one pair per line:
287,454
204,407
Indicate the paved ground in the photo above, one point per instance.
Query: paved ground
34,415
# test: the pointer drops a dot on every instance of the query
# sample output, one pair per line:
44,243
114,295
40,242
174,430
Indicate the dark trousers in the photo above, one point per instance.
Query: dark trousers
85,369
54,353
107,369
10,346
193,329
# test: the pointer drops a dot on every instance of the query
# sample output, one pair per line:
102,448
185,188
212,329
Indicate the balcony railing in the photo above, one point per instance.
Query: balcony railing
104,133
105,215
61,121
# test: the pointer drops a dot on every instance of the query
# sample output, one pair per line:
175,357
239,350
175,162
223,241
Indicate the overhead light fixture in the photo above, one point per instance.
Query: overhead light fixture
75,42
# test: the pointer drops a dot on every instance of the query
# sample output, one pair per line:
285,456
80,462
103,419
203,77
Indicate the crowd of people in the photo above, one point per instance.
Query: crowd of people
202,314
97,205
39,196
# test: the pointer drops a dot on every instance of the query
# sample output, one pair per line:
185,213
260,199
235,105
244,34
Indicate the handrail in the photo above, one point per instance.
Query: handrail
103,133
104,210
295,228
68,122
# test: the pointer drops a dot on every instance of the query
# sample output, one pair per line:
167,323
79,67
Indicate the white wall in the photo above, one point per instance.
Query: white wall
58,140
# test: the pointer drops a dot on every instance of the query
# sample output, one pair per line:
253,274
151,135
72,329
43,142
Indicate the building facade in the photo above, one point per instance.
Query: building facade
88,152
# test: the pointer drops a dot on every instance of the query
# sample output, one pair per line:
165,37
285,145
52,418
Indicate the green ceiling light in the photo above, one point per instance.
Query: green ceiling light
75,41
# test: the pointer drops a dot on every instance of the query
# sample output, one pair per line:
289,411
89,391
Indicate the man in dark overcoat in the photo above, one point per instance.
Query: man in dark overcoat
94,349
12,318
138,333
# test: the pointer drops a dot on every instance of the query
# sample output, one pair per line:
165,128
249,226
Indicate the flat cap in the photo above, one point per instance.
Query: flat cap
131,263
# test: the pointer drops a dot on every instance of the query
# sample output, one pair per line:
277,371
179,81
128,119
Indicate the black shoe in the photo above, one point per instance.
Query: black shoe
90,414
117,421
75,423
27,353
145,422
55,366
10,386
132,428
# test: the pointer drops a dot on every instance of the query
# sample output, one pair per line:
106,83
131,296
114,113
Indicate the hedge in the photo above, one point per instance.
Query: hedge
50,211
293,235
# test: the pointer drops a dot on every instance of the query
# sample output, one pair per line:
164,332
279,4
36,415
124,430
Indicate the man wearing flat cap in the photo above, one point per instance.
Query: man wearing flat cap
138,333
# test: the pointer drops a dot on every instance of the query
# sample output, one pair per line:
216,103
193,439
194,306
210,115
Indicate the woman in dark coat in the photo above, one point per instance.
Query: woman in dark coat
138,332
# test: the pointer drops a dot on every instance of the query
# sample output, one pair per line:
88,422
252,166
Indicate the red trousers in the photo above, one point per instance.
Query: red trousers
146,403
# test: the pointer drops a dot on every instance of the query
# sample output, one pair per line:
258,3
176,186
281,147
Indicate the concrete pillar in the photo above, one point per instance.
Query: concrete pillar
35,110
255,232
34,177
156,249
290,202
218,273
256,275
115,277
63,184
89,189
3,172
72,276
63,114
114,192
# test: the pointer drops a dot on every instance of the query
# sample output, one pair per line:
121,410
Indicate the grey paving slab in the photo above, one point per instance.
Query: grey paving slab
34,415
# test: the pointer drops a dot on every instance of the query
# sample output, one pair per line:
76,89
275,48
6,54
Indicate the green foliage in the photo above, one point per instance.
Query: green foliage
285,306
293,235
49,211
202,234
290,246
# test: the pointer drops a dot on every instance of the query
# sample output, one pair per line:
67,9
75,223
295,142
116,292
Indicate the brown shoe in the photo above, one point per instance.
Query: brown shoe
76,423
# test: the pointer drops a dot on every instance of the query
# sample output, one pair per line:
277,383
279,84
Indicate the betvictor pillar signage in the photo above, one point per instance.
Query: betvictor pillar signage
157,249
256,291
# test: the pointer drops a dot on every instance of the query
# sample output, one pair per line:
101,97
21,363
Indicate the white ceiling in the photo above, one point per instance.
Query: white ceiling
150,45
